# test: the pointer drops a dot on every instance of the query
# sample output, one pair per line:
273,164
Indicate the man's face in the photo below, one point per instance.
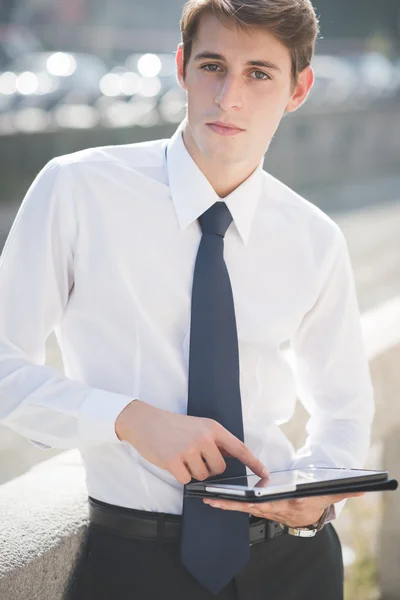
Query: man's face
235,85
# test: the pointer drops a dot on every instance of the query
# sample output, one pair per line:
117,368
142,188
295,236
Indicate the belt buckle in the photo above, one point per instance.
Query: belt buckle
274,529
265,530
258,532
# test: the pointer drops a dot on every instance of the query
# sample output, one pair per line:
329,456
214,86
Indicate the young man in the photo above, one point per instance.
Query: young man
158,265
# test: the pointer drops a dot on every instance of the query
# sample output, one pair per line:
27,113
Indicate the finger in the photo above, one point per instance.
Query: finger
280,510
299,505
281,506
273,517
258,510
251,509
197,467
228,504
298,502
179,470
215,463
310,501
339,497
257,513
225,453
227,441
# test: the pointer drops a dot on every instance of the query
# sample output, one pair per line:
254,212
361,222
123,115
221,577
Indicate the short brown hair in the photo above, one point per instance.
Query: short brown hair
293,22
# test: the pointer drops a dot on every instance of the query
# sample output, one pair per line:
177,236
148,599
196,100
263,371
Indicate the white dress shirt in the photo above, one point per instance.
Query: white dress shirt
102,251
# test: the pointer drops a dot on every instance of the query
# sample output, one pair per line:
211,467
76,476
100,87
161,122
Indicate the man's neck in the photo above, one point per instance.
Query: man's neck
223,178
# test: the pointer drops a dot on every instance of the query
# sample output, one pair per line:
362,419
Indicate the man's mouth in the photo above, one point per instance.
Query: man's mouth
222,128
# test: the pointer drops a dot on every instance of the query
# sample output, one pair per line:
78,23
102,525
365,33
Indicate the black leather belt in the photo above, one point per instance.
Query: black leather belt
142,524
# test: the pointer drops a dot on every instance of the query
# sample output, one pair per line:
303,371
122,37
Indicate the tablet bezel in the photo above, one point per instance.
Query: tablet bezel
243,492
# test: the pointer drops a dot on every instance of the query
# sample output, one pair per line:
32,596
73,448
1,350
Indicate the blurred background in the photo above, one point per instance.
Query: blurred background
88,73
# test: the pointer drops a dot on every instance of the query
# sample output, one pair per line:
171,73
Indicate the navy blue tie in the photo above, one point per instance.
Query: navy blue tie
214,542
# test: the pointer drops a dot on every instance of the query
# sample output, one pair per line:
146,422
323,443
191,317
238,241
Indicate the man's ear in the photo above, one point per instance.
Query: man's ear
304,84
179,66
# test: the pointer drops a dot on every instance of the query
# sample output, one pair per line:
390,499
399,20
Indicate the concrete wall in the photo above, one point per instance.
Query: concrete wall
44,512
43,521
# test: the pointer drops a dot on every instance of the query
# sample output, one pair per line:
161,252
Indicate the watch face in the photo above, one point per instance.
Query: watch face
301,532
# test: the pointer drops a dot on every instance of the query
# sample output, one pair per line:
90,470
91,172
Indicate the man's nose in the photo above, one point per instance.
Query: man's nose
230,93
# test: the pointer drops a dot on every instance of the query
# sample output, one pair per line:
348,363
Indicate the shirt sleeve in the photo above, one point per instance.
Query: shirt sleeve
332,372
36,278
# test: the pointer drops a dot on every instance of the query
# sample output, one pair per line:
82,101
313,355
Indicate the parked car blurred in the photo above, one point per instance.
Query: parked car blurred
161,64
353,80
43,79
143,89
120,82
15,41
149,66
334,84
377,76
49,90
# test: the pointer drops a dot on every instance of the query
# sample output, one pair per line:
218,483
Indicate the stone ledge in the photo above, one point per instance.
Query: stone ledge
44,518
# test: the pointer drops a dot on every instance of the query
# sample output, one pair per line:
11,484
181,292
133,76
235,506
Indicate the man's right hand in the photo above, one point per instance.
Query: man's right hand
185,446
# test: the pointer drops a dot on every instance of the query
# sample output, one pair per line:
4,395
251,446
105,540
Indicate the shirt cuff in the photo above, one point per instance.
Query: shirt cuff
330,515
339,506
97,417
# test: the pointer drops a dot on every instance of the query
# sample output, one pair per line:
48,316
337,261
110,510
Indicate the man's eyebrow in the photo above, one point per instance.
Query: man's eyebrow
252,63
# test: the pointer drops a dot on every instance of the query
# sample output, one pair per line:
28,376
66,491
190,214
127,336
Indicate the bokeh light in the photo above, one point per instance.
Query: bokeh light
149,87
61,64
149,65
27,83
8,83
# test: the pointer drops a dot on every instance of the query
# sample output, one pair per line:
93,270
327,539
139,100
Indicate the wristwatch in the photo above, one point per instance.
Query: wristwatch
310,530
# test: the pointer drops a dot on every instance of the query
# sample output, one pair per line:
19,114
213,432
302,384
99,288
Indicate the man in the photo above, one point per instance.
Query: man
158,265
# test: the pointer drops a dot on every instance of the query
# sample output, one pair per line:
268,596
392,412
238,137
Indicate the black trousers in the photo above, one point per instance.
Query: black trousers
112,567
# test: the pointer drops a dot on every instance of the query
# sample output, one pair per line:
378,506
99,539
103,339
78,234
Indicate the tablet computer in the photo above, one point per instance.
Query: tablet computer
292,483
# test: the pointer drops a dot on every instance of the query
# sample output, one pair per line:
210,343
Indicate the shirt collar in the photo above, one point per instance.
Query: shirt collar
192,194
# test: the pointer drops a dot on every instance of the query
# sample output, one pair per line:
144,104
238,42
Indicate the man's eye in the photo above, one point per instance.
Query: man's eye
210,68
213,68
261,75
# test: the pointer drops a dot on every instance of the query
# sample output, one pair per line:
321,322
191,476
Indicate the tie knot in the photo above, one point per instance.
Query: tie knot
216,219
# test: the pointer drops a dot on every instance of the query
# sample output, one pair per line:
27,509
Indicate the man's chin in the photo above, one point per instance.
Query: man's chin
224,158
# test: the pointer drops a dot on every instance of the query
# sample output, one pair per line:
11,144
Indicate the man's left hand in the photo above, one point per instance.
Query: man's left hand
296,512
